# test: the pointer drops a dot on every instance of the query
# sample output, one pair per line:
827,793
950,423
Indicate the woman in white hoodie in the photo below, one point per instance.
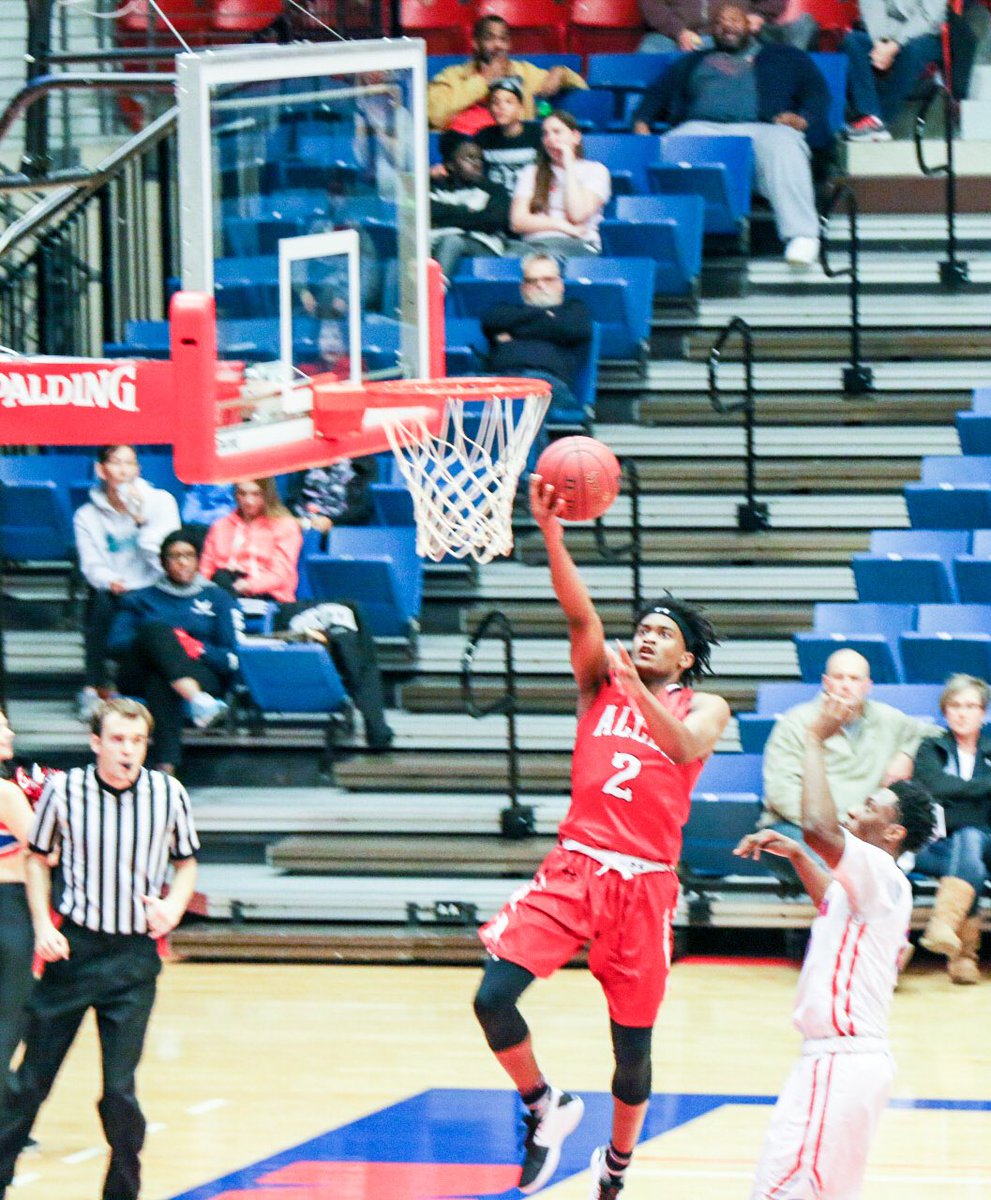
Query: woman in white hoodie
118,536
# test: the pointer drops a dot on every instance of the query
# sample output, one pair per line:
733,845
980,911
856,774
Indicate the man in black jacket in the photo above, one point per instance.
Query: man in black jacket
775,95
545,337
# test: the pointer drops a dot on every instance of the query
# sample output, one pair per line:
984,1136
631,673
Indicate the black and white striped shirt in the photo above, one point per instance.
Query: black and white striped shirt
116,845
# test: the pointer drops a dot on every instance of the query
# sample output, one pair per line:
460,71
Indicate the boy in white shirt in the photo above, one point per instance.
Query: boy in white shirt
824,1120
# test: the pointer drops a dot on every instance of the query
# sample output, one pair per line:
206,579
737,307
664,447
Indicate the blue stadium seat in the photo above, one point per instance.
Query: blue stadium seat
974,429
301,204
907,542
956,468
916,699
895,579
289,678
626,325
725,806
393,504
501,269
972,572
254,235
667,228
376,567
719,169
34,526
948,505
628,157
772,700
949,638
466,346
982,400
584,389
594,110
142,339
880,650
381,342
624,73
834,70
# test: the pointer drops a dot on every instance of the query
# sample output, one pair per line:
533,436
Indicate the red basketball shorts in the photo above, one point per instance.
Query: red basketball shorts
627,924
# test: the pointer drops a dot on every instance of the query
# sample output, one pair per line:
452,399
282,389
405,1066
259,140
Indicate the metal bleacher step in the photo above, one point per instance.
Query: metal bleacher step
395,854
883,270
779,442
916,231
716,515
813,377
897,313
332,810
513,581
672,408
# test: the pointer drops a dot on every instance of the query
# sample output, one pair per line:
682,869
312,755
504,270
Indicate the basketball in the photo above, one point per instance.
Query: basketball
584,472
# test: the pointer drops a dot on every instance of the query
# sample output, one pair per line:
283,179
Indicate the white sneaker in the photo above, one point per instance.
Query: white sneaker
545,1137
206,710
603,1188
802,252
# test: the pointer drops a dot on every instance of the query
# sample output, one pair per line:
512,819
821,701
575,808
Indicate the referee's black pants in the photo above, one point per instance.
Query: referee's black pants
114,974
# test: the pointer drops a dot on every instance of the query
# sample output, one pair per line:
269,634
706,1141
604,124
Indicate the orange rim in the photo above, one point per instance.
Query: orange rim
457,388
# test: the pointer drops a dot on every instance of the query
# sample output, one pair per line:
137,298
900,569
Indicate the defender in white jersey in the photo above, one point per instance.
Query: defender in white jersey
824,1120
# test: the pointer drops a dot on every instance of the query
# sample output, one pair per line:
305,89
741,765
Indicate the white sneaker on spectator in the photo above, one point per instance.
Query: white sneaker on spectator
802,252
206,710
88,700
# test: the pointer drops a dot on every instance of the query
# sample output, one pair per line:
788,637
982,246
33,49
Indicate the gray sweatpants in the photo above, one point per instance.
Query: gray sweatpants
782,170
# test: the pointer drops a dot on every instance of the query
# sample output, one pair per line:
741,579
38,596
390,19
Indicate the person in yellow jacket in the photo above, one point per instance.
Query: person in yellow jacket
457,98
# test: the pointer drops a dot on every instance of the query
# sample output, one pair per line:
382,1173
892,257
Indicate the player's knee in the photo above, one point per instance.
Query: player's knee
500,1019
632,1077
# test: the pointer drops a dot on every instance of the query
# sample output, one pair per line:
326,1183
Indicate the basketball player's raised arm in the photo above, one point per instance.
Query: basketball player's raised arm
588,639
683,741
820,824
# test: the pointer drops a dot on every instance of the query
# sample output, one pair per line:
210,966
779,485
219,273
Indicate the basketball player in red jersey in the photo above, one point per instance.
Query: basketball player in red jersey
642,739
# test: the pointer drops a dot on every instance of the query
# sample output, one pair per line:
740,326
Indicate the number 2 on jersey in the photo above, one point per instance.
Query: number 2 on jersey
628,767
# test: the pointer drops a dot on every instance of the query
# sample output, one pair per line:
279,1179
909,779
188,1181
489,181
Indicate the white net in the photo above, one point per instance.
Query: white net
463,477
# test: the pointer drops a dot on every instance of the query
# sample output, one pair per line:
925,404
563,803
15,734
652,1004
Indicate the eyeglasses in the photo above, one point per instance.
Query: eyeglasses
541,278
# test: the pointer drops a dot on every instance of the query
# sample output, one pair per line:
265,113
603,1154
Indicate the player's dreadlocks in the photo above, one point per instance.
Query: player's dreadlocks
695,628
915,812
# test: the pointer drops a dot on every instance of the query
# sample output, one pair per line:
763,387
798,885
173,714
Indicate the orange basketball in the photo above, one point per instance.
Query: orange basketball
584,472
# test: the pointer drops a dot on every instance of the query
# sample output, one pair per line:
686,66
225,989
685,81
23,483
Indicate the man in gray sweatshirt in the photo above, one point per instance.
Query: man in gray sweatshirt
118,537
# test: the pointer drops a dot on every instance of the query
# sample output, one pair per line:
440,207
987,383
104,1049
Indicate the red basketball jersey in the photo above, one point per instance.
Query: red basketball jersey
626,793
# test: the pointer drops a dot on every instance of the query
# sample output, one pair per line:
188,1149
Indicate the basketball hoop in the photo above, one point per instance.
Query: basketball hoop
462,470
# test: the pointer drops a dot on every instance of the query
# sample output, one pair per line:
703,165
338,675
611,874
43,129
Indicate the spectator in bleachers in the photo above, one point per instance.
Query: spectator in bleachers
558,202
469,216
899,41
254,553
339,494
544,337
176,645
775,95
457,98
118,537
874,749
683,25
512,143
956,769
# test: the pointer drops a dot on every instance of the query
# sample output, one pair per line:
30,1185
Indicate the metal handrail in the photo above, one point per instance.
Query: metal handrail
632,551
516,821
953,274
40,88
858,379
35,218
752,515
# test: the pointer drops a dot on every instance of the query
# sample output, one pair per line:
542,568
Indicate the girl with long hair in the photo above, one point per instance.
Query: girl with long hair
558,202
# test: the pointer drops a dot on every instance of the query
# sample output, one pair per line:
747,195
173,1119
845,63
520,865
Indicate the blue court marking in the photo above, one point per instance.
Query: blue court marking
481,1128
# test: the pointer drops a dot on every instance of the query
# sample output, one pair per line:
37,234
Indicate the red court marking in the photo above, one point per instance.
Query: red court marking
376,1181
719,960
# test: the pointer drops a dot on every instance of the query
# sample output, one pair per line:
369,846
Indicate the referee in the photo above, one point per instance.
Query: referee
117,826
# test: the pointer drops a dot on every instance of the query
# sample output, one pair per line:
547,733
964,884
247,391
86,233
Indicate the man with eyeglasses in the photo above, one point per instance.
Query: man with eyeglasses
546,336
176,643
118,537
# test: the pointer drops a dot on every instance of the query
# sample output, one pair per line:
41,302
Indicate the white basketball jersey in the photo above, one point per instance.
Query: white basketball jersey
851,965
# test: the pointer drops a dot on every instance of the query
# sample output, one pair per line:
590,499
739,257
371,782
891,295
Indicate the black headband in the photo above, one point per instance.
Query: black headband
682,627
